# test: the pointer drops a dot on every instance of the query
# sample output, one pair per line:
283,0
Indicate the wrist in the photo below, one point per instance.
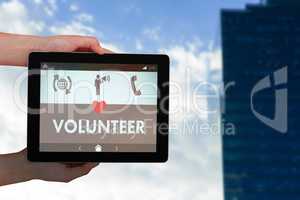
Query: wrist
34,43
27,171
15,168
18,47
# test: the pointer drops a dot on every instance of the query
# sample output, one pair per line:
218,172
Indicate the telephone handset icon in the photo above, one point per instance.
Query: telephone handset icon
136,92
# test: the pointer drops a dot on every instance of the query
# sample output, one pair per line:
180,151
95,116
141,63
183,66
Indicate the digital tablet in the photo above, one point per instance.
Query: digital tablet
86,107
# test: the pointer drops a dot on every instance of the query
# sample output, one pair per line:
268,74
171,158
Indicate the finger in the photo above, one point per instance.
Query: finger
104,50
77,164
87,167
97,48
91,165
80,164
93,44
81,49
87,44
73,173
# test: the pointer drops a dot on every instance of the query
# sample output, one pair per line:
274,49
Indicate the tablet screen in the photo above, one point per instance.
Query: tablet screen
98,107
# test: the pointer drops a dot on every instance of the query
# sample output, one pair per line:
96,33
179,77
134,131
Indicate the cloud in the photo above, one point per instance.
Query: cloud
112,47
81,25
18,17
37,1
194,169
84,17
21,22
74,7
48,6
152,33
138,45
130,8
72,28
13,137
190,68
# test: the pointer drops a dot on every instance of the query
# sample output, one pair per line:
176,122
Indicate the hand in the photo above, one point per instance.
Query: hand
71,43
15,168
14,49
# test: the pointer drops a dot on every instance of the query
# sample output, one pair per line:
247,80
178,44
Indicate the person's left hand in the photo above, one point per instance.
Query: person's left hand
14,49
70,43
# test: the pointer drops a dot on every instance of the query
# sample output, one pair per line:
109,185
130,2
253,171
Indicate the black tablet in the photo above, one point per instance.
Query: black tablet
85,107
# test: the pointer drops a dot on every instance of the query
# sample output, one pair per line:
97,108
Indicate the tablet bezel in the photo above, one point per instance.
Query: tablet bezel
33,119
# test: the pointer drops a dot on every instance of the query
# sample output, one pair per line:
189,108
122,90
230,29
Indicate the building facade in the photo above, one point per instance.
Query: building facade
261,59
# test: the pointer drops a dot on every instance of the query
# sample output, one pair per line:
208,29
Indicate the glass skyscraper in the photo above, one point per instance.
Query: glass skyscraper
261,59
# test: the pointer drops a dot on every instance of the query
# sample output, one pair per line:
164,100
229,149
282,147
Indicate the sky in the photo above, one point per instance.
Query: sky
189,32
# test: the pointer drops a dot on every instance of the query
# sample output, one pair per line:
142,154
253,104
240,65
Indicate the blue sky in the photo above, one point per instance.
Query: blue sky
188,31
152,23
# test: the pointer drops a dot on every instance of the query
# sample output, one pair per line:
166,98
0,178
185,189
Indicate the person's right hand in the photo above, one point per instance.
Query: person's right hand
15,168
